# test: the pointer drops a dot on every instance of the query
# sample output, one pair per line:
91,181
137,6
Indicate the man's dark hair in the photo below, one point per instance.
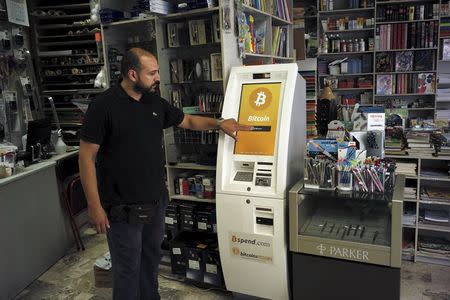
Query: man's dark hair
130,60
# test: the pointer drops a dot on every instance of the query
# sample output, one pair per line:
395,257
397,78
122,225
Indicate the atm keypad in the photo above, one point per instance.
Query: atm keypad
243,176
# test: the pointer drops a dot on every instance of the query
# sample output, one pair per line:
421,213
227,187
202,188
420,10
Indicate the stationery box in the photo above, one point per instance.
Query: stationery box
213,269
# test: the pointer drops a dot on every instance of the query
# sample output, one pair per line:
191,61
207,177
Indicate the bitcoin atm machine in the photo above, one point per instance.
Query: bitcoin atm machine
255,174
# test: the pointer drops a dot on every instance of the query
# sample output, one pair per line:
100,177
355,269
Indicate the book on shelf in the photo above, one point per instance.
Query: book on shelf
177,34
422,60
383,62
421,83
279,36
406,35
384,84
278,8
254,34
405,12
444,28
404,61
446,49
200,32
326,5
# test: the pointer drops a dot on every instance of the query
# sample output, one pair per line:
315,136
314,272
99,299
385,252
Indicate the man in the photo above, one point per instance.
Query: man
121,169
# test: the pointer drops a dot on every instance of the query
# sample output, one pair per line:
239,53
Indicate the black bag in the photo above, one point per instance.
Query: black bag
140,214
132,214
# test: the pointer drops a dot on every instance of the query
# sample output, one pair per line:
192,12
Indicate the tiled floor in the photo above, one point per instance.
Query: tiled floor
73,278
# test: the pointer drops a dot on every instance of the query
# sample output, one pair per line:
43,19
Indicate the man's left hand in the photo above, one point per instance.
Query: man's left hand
231,127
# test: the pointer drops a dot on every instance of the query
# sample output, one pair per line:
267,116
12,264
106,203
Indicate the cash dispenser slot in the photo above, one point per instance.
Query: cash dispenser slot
264,220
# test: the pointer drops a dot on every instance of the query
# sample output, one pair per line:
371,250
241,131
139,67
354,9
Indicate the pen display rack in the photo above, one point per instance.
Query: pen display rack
370,176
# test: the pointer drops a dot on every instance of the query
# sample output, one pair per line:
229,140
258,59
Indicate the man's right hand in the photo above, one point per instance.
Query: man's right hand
98,218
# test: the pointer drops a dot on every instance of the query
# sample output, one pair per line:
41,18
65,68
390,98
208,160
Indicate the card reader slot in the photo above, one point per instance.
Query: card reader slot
264,170
263,209
264,174
263,163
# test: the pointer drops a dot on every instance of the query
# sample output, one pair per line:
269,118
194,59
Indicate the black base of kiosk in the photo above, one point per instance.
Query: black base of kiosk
316,277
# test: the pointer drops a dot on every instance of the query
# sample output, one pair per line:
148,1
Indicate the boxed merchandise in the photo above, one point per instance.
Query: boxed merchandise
178,255
206,219
195,266
213,268
171,218
187,216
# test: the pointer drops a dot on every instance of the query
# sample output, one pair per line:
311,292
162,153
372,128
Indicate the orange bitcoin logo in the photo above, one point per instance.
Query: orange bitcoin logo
236,250
260,98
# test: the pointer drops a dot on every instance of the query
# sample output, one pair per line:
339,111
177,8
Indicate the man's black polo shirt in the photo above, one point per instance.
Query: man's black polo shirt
130,159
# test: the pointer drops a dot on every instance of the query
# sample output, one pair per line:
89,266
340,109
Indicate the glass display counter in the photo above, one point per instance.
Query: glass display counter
336,235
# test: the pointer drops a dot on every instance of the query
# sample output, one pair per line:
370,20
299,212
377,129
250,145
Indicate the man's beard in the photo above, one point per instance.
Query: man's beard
140,88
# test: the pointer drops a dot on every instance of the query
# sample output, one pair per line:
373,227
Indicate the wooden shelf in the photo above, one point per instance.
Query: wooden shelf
65,75
405,72
280,21
400,22
128,22
66,36
68,16
447,179
351,89
192,198
402,1
71,66
65,6
191,13
73,91
404,95
434,202
191,166
440,228
342,11
350,30
345,53
409,49
62,26
67,55
346,75
67,84
256,55
191,46
68,43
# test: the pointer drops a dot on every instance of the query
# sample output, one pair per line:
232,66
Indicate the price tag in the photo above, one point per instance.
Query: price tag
169,220
176,251
194,264
211,268
201,225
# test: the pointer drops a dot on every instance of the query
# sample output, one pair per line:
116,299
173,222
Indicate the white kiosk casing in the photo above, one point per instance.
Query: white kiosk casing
255,174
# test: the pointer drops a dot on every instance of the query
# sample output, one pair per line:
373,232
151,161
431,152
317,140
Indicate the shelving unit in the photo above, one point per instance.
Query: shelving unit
420,181
276,45
308,69
430,103
176,54
351,26
68,60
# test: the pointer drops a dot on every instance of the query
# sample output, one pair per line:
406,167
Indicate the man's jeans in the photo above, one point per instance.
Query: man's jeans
135,253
